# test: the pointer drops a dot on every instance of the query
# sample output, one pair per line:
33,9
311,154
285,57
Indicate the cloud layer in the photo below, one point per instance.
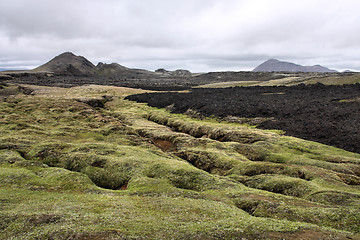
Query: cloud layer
200,35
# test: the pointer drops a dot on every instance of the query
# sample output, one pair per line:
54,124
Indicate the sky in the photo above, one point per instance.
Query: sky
198,35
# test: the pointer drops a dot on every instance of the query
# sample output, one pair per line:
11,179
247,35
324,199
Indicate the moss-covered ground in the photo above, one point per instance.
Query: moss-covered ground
83,163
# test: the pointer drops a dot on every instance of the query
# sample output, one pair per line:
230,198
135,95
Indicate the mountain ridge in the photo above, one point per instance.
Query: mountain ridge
274,65
68,63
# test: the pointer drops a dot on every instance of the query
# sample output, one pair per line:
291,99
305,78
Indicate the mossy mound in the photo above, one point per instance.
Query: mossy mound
123,170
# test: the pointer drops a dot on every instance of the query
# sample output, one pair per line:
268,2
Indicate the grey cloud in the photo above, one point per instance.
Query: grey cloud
197,34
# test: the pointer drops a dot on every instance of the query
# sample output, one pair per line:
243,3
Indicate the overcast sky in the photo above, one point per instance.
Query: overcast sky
199,35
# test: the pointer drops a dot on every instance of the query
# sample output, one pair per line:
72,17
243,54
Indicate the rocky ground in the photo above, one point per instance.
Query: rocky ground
144,80
326,114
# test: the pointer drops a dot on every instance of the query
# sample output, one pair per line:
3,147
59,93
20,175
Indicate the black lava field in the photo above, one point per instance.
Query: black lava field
321,113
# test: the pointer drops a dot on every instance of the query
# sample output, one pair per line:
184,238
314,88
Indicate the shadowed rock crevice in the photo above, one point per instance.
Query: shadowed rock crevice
96,102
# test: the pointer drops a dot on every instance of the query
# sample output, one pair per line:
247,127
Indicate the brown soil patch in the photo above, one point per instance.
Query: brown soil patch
164,145
124,187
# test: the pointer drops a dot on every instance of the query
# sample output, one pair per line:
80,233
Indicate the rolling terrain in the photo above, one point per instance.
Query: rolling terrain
84,163
80,159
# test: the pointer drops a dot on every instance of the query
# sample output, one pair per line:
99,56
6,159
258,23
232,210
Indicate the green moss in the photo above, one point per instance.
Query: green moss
335,198
78,215
282,184
10,156
330,217
129,171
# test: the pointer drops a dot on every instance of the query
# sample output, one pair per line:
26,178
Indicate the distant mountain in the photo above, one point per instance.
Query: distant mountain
71,65
273,65
68,64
